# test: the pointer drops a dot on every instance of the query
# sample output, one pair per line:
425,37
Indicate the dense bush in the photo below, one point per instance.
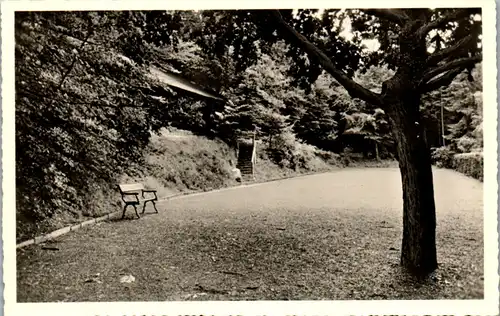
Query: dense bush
329,157
306,157
466,144
470,164
288,152
442,157
280,149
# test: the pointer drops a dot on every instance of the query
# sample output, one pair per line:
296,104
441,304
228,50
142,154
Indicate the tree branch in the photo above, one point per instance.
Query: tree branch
90,31
442,21
393,15
354,89
441,81
458,63
446,52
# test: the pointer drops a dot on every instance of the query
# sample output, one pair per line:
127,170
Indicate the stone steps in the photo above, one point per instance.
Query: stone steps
244,163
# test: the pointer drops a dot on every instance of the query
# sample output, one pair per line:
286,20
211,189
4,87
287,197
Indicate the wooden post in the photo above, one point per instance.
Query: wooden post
442,118
254,154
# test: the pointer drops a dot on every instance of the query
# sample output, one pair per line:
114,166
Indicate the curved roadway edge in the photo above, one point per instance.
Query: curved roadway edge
65,230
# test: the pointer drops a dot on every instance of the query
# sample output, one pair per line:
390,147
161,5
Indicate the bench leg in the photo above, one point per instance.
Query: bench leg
144,206
124,209
135,208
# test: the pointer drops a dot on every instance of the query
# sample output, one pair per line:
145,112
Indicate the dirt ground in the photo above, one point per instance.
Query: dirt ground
332,236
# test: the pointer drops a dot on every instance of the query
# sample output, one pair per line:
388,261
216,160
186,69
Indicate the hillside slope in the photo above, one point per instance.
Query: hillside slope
177,161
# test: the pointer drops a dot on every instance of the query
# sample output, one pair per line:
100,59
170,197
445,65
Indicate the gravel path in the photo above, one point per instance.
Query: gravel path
329,236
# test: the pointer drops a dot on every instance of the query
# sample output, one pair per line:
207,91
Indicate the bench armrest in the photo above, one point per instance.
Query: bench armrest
149,191
136,194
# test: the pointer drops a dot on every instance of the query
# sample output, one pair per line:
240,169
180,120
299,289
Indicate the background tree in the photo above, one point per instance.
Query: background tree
367,123
463,101
456,112
319,119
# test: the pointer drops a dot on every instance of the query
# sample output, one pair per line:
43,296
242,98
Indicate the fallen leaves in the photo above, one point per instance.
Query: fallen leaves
325,252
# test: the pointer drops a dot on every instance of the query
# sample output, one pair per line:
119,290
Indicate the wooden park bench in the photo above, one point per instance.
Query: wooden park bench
130,196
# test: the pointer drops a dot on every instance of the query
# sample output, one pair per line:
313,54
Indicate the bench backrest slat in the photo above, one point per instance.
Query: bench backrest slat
131,187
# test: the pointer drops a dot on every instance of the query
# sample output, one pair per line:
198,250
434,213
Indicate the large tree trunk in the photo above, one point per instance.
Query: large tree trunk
418,253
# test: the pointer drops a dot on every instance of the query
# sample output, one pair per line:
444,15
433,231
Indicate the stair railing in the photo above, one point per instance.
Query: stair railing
253,158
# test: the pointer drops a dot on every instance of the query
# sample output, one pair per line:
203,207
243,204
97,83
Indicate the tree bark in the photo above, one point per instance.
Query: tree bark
418,252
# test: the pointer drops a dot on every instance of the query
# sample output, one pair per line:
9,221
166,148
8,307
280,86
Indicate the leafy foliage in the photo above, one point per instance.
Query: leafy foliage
471,164
81,112
465,131
462,102
245,34
443,157
462,106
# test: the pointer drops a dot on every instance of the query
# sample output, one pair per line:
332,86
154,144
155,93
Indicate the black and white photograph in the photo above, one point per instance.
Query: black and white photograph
287,160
